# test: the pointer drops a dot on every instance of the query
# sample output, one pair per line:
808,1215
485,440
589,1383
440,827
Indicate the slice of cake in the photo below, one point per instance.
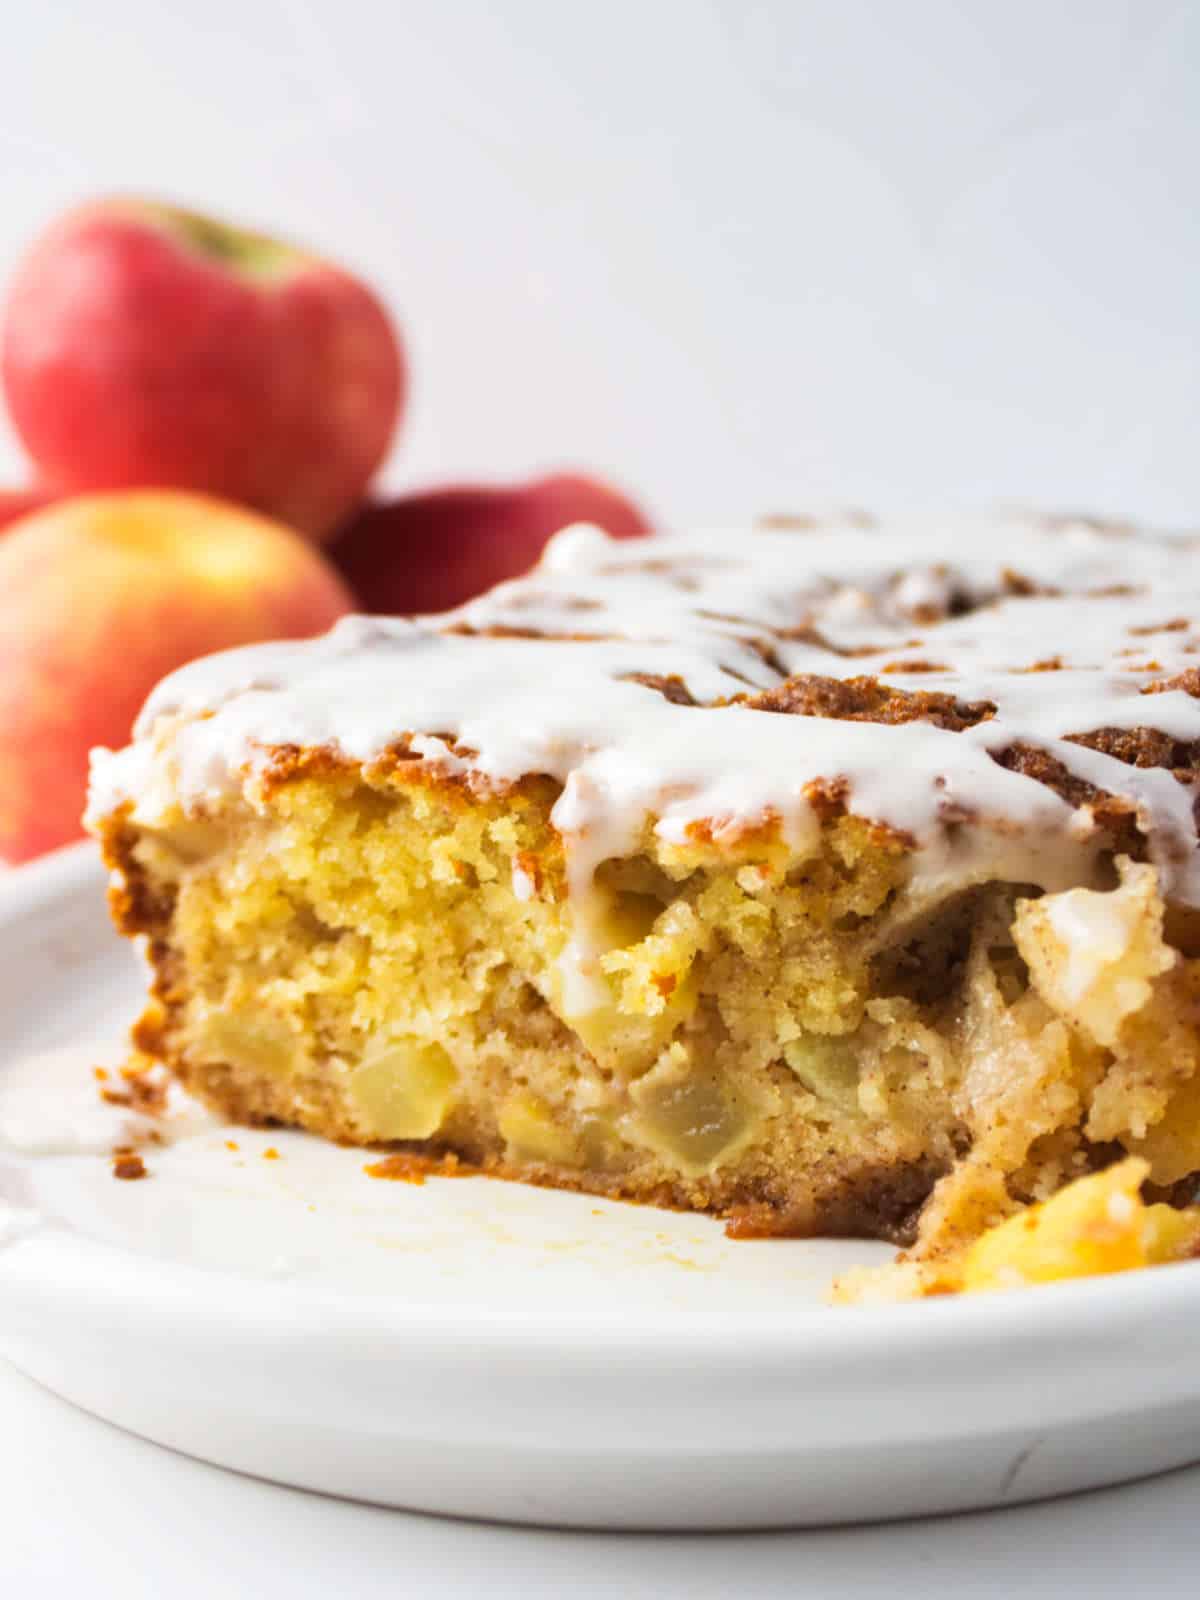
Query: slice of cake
827,877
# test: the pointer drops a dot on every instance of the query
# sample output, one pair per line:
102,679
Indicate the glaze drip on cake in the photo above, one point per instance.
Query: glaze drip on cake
627,673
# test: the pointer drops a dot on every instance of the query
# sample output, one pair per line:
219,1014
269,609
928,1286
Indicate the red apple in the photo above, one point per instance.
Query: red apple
15,503
103,595
431,551
145,345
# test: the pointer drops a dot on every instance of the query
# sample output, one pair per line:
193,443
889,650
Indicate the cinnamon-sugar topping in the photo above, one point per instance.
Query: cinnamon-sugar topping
968,686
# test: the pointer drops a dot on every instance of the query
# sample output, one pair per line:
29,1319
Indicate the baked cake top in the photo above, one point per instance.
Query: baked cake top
1012,697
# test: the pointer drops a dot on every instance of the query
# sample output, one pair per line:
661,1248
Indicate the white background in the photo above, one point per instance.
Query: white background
741,254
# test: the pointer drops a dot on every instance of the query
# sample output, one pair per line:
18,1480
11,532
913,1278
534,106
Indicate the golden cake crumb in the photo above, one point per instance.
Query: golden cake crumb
128,1165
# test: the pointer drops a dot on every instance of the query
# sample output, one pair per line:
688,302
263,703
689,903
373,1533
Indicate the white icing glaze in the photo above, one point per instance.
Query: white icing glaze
730,615
1095,930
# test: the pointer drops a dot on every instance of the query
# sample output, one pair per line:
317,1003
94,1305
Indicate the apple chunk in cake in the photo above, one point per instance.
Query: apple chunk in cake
835,880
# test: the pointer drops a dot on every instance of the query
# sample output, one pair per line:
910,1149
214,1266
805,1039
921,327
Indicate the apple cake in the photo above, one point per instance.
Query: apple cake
832,877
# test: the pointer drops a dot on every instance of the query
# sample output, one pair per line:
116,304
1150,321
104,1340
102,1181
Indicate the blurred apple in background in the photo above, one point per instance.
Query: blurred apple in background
104,594
16,503
147,345
167,359
431,551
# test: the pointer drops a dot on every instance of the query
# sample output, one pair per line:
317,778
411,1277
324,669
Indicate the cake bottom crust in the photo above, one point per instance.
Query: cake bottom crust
845,1199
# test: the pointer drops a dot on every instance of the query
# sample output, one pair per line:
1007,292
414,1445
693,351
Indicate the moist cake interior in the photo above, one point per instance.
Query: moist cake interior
863,900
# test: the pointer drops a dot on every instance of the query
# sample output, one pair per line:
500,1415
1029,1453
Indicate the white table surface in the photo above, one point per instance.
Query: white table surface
88,1510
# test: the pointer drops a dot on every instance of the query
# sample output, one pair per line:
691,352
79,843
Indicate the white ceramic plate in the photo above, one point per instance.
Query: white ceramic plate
480,1348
